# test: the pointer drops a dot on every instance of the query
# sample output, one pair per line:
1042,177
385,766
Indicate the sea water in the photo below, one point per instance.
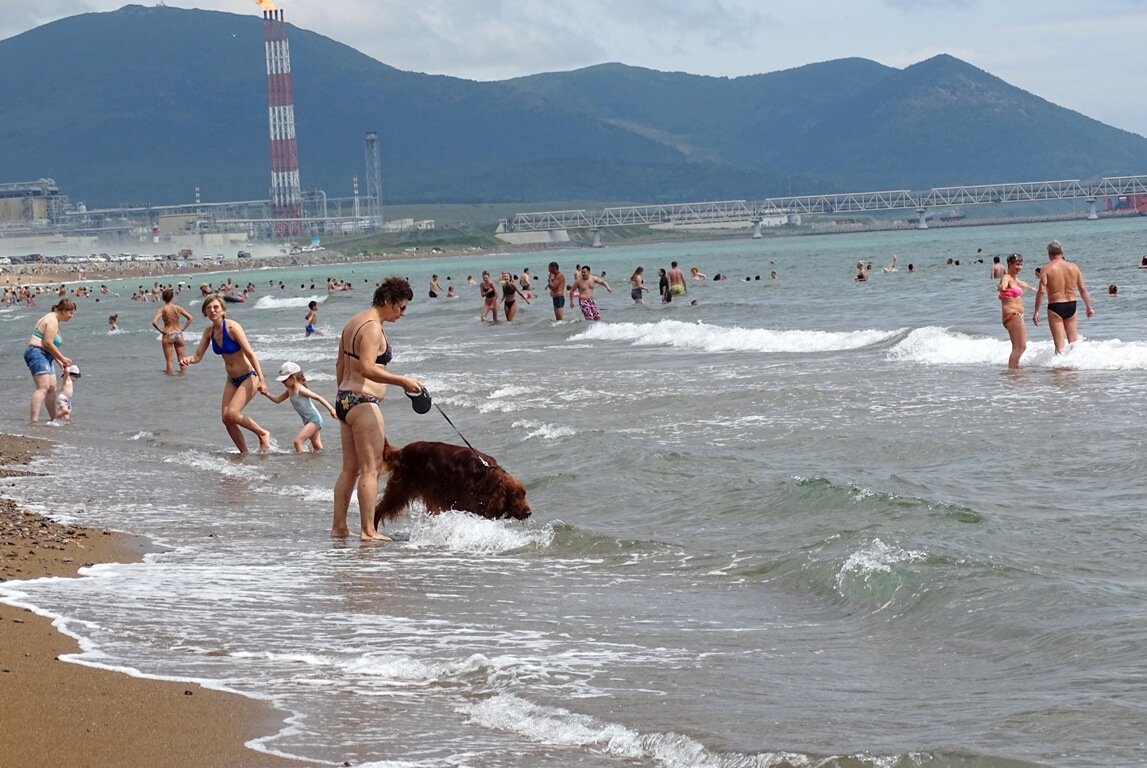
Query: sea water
805,521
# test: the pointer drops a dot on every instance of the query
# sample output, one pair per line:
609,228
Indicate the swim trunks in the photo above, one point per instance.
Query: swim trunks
310,329
559,302
635,294
345,399
39,361
1065,309
589,309
677,289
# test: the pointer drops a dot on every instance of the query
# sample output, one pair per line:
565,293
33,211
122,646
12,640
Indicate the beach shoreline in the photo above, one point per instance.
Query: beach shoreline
57,712
96,273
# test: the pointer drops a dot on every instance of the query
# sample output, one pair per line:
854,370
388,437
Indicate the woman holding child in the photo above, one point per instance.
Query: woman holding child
41,355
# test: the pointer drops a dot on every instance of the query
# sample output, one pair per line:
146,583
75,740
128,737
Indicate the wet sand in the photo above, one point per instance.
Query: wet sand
57,713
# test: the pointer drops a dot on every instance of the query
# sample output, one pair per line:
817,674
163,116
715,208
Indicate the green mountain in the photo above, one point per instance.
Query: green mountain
146,104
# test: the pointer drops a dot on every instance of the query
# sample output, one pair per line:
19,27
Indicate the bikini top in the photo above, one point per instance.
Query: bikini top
382,359
229,345
1011,293
40,335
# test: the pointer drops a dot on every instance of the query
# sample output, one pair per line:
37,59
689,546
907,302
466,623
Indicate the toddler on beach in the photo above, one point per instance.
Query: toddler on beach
303,400
64,397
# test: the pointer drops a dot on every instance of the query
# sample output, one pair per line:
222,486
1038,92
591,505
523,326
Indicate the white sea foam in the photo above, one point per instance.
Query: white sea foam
540,429
942,346
464,532
715,338
275,302
218,464
559,726
873,558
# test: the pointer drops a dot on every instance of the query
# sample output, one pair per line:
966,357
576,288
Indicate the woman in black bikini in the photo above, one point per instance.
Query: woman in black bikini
244,374
360,369
510,293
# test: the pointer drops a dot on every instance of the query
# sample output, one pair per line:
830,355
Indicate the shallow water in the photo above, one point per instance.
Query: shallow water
805,522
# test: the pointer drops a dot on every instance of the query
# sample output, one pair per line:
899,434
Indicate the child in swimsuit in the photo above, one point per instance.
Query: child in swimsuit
64,397
303,401
312,317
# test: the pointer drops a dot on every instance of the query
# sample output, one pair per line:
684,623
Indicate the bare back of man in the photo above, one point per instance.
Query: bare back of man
1060,281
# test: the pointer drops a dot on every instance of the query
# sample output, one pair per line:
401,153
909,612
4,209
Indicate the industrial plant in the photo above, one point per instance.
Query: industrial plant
39,216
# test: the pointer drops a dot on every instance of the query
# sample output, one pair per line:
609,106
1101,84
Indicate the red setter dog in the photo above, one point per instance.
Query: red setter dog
448,476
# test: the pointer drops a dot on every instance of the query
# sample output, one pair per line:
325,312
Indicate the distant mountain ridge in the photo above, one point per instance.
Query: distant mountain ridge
145,104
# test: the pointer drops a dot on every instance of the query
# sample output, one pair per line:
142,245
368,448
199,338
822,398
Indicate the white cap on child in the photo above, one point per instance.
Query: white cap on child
288,369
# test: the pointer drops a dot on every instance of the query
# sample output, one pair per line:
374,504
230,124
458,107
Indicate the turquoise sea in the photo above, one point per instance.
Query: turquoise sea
804,522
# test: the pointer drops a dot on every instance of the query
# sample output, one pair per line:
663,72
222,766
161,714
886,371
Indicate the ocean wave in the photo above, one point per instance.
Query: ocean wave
933,345
465,532
714,338
273,302
561,727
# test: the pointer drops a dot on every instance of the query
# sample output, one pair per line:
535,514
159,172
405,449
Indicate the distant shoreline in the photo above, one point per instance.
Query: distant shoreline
69,274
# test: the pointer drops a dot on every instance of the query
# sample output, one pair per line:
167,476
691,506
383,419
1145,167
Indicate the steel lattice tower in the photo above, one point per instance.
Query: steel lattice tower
373,180
286,194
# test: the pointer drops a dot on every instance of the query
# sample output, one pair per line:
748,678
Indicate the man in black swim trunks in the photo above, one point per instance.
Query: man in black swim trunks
1060,280
557,287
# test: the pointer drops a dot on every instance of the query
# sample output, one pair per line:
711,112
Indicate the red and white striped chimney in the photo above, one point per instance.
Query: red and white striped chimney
286,192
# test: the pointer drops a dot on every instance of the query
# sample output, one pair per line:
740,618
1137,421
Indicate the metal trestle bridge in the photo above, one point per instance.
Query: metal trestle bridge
730,211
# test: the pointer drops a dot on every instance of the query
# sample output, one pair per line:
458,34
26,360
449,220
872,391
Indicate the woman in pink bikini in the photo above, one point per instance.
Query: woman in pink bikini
1011,292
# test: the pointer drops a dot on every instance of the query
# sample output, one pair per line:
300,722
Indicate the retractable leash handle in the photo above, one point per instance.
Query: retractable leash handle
421,403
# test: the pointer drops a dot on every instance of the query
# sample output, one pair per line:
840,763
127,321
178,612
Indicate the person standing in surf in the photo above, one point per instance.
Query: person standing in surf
1011,292
41,355
360,369
244,374
637,287
676,277
585,284
1060,280
489,297
171,320
311,319
556,284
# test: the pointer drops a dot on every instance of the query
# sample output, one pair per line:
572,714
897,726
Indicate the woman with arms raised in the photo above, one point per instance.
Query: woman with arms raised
360,368
244,375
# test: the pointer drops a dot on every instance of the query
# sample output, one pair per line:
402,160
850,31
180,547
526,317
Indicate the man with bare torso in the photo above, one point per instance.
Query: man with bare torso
585,282
1060,280
557,287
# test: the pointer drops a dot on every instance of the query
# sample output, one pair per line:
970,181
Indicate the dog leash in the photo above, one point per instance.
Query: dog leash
421,402
448,421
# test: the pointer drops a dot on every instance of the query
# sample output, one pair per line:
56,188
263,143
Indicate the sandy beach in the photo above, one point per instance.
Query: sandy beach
57,713
44,274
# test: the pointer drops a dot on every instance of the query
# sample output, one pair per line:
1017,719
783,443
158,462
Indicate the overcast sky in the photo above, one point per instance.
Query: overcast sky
1086,56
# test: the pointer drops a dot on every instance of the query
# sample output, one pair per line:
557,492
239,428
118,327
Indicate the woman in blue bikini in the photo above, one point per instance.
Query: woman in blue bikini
360,369
244,375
